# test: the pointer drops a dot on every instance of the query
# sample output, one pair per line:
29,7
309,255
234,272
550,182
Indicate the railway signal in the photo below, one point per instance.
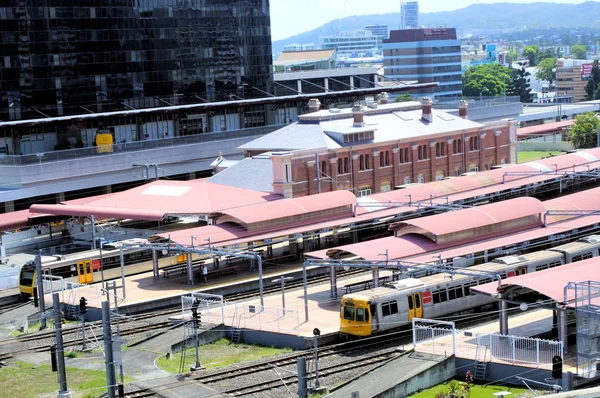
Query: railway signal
82,305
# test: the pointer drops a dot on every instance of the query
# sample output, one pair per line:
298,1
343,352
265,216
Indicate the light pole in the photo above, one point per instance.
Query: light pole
481,93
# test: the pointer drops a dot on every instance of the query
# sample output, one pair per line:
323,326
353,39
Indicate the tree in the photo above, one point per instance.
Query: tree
550,52
532,54
510,57
520,85
404,97
543,71
593,85
584,133
579,51
488,79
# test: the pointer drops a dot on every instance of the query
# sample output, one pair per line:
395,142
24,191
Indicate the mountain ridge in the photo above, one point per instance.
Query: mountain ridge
475,18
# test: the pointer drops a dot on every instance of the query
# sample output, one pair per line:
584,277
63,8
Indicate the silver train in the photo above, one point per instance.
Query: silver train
396,303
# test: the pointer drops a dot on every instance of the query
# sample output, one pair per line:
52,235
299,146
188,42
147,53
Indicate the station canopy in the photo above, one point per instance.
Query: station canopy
550,283
160,199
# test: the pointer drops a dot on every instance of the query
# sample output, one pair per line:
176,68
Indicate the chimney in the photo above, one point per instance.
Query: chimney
383,98
314,105
426,103
463,107
359,115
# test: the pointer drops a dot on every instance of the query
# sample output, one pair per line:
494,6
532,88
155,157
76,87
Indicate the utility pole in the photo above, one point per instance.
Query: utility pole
63,391
118,360
318,169
40,290
111,379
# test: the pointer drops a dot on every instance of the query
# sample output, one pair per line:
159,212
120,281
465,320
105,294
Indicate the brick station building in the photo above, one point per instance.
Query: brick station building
369,149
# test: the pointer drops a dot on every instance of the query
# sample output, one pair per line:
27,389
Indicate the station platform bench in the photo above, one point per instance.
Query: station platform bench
182,268
366,284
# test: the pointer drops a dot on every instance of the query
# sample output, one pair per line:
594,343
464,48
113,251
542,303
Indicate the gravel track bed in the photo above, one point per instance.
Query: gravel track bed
20,343
325,362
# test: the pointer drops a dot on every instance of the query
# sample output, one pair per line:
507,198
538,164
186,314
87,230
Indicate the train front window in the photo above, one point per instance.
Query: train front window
26,277
348,313
360,315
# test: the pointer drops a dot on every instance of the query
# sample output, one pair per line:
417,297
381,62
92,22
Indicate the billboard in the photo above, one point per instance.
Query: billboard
586,71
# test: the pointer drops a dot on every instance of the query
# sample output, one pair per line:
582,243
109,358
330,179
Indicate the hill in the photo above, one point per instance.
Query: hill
476,18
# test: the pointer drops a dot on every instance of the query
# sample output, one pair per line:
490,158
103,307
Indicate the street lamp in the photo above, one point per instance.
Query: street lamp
481,93
282,280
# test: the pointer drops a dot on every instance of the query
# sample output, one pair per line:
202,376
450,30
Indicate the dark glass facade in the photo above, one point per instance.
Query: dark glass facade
62,57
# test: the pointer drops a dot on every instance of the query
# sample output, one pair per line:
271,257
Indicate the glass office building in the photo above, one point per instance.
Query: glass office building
64,57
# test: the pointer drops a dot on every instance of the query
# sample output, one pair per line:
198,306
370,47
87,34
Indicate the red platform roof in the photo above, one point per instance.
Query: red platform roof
414,245
300,207
482,221
543,129
551,282
158,199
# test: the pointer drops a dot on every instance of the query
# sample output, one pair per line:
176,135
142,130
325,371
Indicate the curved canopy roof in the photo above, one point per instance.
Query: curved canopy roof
551,282
481,222
294,211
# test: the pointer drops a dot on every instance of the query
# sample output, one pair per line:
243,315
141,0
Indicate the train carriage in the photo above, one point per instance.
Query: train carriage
397,303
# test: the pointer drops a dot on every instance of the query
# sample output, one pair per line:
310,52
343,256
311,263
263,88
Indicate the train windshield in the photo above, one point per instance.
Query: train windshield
348,313
360,315
27,277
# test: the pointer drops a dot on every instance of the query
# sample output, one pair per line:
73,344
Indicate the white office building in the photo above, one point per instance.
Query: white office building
353,44
409,13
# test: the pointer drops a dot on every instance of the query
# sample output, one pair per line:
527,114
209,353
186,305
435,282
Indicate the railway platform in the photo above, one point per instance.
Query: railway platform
268,324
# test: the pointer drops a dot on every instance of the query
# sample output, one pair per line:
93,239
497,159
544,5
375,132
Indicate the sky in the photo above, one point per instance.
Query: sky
290,17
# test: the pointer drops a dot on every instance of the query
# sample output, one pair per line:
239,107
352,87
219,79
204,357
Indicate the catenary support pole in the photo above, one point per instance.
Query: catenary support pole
302,381
40,290
111,379
60,349
305,291
93,232
503,316
260,281
155,264
333,282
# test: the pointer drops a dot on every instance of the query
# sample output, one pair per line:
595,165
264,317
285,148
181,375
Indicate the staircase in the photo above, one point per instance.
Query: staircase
236,330
480,362
480,368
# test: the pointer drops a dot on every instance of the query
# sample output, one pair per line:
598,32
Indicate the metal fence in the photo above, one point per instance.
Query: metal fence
70,154
516,349
265,318
438,340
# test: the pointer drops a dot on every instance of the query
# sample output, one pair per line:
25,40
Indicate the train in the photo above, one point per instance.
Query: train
84,267
396,303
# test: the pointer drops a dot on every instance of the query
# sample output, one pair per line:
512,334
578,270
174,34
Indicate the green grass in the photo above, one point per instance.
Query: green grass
530,156
219,354
25,380
477,391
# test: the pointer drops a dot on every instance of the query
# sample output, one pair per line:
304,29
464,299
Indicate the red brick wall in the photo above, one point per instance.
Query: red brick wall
491,150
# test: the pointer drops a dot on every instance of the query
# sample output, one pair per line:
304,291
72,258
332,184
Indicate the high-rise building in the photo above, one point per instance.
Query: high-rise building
61,58
379,30
425,55
409,13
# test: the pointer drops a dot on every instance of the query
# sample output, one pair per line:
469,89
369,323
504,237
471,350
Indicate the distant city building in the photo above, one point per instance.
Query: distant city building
66,59
572,77
295,61
425,55
353,44
379,30
409,13
484,54
299,47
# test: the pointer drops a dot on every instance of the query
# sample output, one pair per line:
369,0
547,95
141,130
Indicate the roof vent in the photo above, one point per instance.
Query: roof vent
334,110
509,260
426,104
591,239
407,283
359,115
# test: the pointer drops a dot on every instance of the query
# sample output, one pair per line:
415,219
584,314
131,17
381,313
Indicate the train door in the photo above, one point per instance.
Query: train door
415,306
84,270
374,317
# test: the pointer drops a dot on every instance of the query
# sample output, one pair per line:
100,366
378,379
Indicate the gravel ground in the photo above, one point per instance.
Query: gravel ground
325,362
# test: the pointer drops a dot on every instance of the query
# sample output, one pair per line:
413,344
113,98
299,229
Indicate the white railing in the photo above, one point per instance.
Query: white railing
516,349
211,307
435,338
265,318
